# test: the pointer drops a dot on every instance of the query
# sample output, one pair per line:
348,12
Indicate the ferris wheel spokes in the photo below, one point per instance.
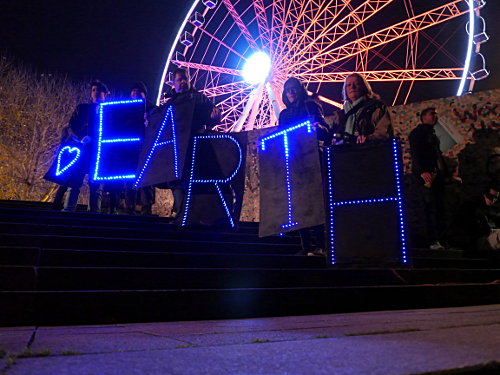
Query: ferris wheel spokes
385,36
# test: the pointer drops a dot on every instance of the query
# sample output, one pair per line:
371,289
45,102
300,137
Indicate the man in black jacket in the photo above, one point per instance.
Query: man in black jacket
80,129
203,115
429,168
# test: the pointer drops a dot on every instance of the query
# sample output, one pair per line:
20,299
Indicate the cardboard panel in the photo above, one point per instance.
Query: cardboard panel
165,146
117,141
365,206
217,176
291,192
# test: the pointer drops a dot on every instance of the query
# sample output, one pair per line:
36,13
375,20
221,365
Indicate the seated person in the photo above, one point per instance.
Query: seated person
470,229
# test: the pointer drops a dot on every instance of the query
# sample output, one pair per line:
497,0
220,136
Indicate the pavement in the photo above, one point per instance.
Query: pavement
384,342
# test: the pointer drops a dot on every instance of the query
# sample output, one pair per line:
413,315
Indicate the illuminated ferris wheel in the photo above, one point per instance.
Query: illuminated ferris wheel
240,52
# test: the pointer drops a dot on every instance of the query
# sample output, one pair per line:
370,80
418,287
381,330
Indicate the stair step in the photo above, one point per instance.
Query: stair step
131,278
144,244
107,258
147,230
98,307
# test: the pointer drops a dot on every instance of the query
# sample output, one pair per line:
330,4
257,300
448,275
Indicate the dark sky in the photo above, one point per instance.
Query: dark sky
123,41
119,42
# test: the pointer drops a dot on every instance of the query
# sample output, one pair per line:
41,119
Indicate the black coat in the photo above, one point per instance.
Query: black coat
424,148
203,107
469,224
305,110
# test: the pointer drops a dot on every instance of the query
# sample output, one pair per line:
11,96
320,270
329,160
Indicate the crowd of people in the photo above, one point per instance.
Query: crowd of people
364,118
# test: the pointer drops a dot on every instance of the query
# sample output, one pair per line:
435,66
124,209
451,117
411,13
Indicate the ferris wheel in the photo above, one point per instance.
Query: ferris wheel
240,52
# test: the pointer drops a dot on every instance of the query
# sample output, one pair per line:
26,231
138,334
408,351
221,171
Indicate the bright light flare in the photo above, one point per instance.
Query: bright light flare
257,68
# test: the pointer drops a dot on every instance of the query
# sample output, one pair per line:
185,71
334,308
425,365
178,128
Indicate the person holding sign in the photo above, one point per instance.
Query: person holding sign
188,103
145,196
301,107
79,130
124,188
364,117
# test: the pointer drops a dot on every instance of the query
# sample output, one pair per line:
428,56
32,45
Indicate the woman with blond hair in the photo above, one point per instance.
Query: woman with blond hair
364,117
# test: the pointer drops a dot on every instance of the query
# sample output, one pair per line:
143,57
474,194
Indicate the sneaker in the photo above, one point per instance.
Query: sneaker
436,246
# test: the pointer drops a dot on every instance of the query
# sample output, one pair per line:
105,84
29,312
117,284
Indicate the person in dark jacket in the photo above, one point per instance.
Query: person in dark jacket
205,115
470,229
364,117
80,129
143,196
429,168
300,107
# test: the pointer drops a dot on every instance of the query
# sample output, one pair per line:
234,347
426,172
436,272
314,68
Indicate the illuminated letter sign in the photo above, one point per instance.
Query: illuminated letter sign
66,158
118,140
215,162
165,137
365,204
291,193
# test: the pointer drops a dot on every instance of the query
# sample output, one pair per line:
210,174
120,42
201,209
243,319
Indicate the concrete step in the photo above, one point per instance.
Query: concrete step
98,307
131,230
195,244
14,278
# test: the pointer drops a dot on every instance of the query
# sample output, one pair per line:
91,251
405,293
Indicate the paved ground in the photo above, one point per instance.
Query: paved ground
385,343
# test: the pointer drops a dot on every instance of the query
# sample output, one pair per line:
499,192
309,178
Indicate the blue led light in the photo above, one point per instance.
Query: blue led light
59,170
120,140
364,201
101,141
398,199
286,131
169,115
216,182
121,102
284,134
330,201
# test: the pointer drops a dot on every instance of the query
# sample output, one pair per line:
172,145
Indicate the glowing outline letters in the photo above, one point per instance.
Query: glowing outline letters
101,141
59,170
216,182
168,115
284,133
398,199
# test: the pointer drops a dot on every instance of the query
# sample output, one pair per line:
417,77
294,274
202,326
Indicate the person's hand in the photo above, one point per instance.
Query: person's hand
215,115
336,118
428,178
361,139
86,140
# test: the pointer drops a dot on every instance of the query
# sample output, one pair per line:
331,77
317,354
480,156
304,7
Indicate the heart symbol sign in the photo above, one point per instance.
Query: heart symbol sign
69,158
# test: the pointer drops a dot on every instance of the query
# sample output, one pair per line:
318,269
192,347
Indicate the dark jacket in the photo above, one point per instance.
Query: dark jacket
82,121
469,224
203,107
424,148
304,110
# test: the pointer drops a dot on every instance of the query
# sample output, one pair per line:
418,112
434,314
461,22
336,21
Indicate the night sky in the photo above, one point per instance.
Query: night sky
124,41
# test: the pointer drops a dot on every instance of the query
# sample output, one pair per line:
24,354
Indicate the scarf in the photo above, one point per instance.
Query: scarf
351,119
